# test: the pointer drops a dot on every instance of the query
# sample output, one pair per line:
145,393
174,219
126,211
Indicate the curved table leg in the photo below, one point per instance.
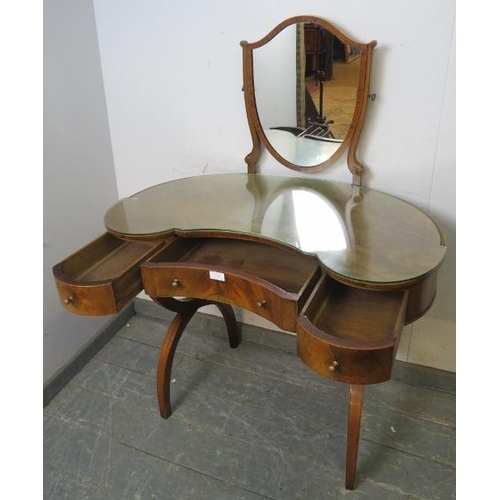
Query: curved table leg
180,306
353,430
232,327
166,359
185,311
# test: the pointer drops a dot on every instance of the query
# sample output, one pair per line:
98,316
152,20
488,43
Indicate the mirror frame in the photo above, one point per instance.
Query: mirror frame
354,132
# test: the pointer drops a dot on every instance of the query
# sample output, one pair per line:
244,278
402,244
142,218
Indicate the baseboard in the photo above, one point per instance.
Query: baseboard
61,378
424,376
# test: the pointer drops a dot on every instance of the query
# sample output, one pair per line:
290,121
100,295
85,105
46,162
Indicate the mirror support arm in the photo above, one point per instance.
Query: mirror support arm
353,163
248,89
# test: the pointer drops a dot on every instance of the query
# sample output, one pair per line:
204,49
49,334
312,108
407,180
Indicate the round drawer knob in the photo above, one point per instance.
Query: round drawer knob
261,304
176,283
333,367
68,301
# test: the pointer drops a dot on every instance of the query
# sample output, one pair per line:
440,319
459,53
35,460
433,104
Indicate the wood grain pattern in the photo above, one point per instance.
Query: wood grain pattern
357,330
103,276
266,280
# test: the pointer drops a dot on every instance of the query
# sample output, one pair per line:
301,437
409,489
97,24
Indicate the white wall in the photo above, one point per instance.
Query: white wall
173,84
79,178
173,76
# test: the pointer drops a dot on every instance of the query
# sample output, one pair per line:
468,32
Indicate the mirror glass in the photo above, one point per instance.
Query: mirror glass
306,87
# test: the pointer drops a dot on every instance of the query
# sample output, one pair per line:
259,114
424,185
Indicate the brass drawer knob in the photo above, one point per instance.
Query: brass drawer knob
176,283
68,301
333,367
261,304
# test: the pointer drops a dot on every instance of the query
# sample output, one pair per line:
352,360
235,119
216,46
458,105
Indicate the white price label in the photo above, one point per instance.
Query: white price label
215,275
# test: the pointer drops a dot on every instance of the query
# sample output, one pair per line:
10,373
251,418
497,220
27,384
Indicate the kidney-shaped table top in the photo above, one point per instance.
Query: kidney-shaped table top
355,232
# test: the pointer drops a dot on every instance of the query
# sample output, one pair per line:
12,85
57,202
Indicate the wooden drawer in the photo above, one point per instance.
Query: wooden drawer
102,277
350,334
270,281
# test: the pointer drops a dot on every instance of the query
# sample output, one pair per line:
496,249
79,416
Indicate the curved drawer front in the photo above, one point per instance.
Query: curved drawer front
104,276
222,285
92,300
350,334
421,296
334,359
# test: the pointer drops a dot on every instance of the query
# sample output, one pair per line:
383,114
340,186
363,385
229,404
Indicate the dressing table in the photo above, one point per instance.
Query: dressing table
342,266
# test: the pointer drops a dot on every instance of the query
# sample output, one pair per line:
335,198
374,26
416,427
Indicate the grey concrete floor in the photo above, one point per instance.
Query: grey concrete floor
248,423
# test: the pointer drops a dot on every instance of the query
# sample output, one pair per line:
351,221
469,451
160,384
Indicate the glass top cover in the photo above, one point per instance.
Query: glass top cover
358,233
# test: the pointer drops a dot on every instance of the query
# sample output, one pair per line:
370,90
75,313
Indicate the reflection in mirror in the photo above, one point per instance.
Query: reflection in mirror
306,91
306,82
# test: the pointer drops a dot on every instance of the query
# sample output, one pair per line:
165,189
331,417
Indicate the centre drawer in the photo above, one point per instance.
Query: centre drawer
270,281
351,334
